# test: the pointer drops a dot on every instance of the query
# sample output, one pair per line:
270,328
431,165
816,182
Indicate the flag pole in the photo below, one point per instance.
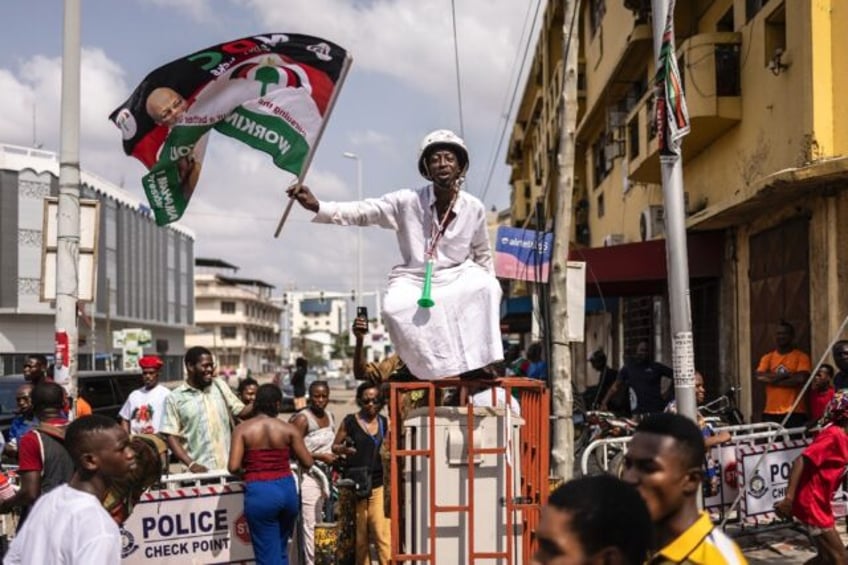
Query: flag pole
312,147
677,261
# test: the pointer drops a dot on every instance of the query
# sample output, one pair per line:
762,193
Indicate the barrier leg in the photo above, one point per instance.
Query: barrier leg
345,550
326,541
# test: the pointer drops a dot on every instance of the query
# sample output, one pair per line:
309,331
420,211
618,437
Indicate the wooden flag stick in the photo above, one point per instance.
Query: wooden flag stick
287,210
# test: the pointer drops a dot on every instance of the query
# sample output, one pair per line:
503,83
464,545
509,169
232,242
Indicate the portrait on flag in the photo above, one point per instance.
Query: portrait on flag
270,91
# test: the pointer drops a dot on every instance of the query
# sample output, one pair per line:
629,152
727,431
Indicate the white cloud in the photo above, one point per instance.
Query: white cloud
38,85
16,110
413,42
370,137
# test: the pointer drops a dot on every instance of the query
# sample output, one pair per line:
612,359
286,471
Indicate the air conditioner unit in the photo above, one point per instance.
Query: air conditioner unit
613,239
652,222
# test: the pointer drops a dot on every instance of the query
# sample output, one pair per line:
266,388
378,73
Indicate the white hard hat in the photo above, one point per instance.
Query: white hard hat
442,137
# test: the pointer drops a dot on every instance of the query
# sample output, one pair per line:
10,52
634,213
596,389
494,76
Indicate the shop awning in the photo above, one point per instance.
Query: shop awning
639,269
516,314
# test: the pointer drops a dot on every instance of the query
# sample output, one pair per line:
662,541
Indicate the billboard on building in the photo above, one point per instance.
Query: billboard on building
523,254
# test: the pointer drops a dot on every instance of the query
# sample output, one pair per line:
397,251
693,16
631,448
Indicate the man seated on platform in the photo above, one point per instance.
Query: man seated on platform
442,224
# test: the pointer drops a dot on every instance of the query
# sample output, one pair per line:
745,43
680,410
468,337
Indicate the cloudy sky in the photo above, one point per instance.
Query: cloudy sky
402,85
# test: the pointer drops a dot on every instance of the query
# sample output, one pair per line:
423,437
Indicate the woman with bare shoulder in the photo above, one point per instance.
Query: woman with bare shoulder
260,451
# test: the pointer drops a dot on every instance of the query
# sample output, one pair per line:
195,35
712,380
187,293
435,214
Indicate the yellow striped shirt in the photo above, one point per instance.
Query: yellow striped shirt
701,544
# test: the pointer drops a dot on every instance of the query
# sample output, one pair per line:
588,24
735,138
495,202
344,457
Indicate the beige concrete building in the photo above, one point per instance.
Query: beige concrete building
764,173
235,318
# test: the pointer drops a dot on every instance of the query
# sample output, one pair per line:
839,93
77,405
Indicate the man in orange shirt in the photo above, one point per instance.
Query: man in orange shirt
784,371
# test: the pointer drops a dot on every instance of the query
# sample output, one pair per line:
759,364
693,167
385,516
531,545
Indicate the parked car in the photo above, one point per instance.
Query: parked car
106,391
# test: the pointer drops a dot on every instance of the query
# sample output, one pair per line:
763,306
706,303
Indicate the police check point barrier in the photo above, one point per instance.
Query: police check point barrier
198,523
608,452
733,467
766,484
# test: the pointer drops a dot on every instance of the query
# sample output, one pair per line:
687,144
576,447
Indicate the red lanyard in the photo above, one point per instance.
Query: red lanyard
438,228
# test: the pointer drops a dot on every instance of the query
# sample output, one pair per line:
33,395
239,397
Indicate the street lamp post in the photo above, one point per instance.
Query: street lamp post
68,220
356,158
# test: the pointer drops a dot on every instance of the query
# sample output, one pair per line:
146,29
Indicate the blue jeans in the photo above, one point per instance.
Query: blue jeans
271,508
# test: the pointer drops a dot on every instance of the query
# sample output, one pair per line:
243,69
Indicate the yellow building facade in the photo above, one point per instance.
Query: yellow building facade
764,172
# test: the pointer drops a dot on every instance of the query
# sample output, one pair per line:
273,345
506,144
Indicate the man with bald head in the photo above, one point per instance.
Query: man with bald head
166,107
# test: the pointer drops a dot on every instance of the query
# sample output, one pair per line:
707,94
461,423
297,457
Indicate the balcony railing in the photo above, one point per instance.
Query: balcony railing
710,71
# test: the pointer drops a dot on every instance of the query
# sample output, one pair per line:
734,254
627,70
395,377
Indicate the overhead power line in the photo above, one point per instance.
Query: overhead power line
456,65
516,84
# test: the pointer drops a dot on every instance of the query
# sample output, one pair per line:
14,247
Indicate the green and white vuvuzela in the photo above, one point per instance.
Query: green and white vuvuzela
426,301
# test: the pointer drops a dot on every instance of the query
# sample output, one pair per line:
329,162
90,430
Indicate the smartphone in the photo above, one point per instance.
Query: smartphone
362,312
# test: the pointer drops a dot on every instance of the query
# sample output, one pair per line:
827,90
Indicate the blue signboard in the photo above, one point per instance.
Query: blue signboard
523,254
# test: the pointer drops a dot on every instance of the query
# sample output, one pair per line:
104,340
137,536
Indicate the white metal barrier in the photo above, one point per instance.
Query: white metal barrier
740,465
181,480
604,452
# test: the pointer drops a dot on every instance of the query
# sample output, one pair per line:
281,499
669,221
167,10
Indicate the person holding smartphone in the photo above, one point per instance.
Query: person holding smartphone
375,371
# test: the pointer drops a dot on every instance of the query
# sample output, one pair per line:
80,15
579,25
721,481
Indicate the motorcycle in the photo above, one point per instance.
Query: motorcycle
600,425
723,411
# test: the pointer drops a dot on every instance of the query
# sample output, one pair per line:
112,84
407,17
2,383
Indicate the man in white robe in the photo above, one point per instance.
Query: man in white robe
461,332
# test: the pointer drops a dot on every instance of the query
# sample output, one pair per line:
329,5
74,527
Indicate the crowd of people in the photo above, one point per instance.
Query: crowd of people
643,386
822,407
650,516
663,469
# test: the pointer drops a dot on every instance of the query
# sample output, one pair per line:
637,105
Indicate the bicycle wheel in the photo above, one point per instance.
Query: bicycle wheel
616,466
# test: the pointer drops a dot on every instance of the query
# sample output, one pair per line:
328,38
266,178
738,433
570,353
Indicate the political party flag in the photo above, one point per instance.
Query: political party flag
273,92
672,115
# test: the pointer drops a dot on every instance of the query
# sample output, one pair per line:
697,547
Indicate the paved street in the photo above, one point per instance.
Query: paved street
781,547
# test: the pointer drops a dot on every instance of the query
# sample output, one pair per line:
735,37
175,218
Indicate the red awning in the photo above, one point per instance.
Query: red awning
639,269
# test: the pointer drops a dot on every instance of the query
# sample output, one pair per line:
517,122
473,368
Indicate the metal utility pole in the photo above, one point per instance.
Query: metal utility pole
677,261
562,460
68,221
109,323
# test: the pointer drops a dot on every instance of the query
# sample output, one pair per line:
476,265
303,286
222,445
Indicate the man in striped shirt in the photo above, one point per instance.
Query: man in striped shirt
665,462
